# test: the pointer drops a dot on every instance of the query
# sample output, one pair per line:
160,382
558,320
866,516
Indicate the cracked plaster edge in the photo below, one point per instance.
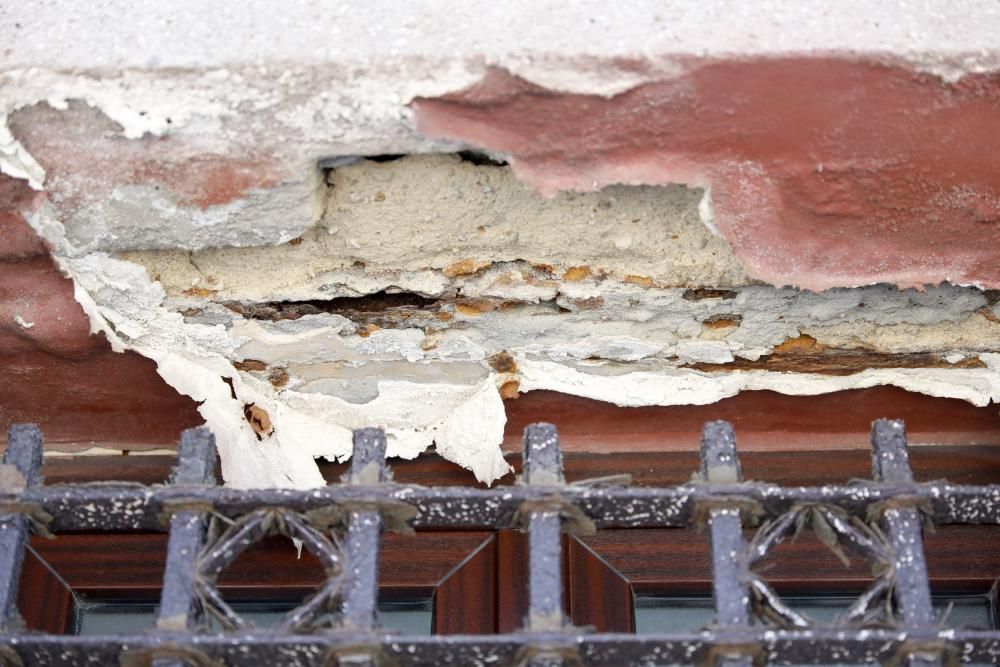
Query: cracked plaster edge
138,112
978,386
142,100
257,460
473,430
470,435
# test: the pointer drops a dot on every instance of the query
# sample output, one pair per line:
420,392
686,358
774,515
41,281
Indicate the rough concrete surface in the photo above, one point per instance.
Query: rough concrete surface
701,162
290,346
456,217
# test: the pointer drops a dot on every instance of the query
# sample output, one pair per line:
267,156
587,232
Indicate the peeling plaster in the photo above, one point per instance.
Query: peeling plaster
486,323
577,304
669,387
797,174
465,421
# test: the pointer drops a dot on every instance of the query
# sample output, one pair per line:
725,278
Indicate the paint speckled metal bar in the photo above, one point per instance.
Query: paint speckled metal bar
903,525
108,507
362,545
720,464
342,524
543,467
179,609
22,469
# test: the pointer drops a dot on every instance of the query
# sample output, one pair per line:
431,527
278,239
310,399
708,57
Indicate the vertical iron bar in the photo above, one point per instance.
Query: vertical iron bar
179,610
543,466
903,526
24,453
720,465
362,542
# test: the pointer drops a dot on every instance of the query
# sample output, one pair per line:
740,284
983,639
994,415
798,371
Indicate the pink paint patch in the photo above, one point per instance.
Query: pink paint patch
18,240
85,158
38,312
823,172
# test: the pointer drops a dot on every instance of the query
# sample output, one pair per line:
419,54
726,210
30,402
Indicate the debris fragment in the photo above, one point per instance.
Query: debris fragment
259,420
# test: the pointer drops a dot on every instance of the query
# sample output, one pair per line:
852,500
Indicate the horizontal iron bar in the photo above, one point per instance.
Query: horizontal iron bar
252,649
134,507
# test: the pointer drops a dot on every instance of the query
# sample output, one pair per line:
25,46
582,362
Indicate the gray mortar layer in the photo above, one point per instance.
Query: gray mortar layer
633,329
598,279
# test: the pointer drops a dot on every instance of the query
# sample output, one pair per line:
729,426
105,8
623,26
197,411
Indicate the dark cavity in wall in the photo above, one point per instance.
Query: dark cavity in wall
478,158
379,302
481,159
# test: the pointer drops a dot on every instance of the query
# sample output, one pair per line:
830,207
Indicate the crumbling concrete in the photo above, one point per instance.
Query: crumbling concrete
203,194
373,316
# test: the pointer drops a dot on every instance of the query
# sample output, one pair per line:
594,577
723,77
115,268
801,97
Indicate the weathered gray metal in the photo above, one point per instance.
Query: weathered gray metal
108,507
361,548
903,526
543,521
179,609
342,523
719,464
22,469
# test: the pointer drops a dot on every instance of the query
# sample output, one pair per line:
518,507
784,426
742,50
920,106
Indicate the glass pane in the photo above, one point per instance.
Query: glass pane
113,618
405,617
663,613
670,613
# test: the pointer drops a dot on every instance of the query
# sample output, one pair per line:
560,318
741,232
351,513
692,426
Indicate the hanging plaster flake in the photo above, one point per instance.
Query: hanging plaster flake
280,392
464,421
15,161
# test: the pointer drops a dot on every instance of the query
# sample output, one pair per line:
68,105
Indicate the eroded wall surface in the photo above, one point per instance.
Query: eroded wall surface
307,235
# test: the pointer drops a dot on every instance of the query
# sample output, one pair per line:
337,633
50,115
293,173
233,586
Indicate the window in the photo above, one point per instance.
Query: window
450,582
440,582
581,585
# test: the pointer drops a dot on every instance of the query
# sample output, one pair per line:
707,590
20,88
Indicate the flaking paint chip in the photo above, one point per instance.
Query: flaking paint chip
259,420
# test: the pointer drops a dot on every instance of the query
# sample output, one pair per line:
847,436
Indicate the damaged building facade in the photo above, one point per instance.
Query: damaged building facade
287,227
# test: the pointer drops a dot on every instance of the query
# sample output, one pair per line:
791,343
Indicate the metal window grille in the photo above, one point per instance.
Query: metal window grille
209,526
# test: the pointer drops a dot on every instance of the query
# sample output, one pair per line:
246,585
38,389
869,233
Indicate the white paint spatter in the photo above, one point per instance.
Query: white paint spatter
706,213
23,323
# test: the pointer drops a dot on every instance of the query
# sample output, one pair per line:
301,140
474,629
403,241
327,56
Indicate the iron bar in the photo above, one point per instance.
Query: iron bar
776,647
179,610
22,470
543,467
109,507
720,464
362,542
903,526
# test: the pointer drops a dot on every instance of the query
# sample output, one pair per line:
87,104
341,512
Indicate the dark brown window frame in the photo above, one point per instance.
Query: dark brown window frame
455,569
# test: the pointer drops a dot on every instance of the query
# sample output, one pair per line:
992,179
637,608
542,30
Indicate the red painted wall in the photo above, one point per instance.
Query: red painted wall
823,172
